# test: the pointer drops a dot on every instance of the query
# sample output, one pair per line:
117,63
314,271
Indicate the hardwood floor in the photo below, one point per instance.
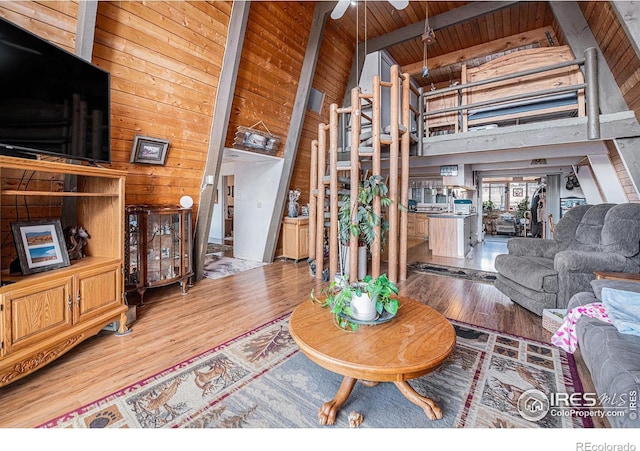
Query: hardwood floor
172,327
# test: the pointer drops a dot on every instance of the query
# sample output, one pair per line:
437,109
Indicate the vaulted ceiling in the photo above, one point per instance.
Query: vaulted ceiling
462,30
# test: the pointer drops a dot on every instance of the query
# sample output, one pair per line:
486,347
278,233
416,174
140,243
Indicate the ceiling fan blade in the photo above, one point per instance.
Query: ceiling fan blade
399,4
340,8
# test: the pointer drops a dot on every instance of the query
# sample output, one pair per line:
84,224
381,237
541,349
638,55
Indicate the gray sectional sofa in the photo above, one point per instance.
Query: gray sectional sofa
544,273
613,359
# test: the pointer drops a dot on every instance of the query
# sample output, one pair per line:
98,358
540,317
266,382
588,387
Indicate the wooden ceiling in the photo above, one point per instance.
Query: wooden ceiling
459,40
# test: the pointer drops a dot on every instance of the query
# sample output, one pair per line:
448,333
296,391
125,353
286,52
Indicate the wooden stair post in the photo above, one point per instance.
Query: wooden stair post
321,169
314,193
333,191
354,180
325,177
404,186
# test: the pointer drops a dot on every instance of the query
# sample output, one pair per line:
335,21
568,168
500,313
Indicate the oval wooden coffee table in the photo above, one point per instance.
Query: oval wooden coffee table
412,344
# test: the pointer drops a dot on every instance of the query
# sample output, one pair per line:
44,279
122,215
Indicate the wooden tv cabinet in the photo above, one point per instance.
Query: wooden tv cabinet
44,315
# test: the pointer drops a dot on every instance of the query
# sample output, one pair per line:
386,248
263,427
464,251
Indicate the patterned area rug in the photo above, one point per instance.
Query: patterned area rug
216,266
212,248
464,273
261,380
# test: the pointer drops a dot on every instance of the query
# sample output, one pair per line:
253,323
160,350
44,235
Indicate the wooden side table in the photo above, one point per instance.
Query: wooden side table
633,277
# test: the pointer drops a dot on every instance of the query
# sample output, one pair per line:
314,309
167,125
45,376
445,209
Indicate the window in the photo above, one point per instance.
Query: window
495,192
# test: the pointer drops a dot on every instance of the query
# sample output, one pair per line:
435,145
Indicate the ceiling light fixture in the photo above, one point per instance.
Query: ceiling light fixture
538,161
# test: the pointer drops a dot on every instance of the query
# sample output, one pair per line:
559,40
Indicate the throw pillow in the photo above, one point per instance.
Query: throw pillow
623,308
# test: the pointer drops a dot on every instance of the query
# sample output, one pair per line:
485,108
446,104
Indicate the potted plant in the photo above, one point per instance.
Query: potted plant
365,219
341,298
487,206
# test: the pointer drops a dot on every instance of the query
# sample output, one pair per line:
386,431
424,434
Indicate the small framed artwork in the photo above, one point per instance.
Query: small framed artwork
517,192
149,150
40,245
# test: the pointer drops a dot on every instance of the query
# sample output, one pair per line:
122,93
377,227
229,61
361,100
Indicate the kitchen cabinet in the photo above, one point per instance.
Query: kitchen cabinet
417,226
295,237
159,247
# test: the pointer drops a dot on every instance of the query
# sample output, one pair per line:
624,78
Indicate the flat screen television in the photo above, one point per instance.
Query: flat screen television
51,101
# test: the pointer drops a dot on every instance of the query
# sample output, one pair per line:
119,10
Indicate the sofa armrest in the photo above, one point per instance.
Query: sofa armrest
589,262
533,247
623,285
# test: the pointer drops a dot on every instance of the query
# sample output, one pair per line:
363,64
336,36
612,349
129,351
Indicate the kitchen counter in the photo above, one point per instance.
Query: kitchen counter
450,215
449,238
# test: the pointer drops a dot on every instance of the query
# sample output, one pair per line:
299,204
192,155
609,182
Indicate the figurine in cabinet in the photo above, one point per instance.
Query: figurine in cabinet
76,239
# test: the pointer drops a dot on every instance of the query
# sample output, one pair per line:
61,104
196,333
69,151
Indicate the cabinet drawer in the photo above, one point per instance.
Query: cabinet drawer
33,314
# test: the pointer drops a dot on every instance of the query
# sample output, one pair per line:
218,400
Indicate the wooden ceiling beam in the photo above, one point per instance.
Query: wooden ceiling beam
458,15
482,50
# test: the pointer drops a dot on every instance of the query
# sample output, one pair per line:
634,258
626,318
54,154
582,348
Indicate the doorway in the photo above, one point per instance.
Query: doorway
228,183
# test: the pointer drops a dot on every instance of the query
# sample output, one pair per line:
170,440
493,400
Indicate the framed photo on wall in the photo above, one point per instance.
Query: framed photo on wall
40,245
149,150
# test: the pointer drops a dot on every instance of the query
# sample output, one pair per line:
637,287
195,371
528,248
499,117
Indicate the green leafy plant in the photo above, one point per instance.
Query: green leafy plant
522,208
366,220
488,205
337,297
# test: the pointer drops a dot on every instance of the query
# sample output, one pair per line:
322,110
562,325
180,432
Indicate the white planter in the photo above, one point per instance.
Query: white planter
363,307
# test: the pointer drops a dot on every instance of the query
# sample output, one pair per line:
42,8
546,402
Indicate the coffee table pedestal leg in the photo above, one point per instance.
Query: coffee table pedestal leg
430,408
329,410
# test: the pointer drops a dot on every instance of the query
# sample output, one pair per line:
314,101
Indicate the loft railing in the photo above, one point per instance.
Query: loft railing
590,87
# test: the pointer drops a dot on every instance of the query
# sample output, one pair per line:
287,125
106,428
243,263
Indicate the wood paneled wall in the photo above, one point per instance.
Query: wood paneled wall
625,66
331,78
54,21
272,55
616,49
165,60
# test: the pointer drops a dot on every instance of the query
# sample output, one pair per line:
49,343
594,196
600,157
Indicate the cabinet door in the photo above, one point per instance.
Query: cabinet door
36,313
164,259
303,241
133,248
187,244
422,227
289,244
98,293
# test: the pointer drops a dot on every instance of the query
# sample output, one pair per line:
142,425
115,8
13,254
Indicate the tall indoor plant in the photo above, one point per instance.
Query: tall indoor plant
365,219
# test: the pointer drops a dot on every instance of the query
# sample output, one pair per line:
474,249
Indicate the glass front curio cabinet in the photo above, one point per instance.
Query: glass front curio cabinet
158,247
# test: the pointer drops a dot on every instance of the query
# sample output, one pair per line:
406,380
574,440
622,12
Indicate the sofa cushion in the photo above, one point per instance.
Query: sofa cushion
535,273
620,233
627,285
589,231
613,361
565,230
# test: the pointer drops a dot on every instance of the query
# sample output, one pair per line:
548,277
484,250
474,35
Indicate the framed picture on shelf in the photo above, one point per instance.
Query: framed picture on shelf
40,245
149,150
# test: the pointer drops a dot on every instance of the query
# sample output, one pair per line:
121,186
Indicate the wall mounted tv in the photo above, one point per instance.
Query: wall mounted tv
51,101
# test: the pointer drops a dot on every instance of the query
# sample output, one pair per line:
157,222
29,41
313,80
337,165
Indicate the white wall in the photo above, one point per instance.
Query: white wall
256,185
